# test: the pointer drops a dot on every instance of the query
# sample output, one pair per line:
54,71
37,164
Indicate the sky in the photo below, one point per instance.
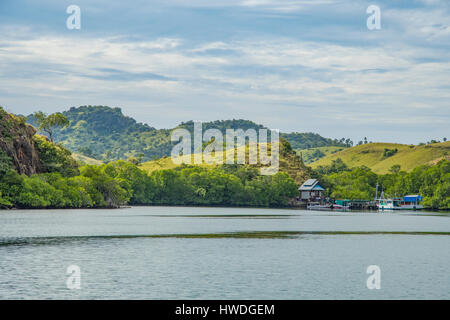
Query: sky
292,65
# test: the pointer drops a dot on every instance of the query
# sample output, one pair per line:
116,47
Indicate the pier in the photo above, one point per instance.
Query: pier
363,205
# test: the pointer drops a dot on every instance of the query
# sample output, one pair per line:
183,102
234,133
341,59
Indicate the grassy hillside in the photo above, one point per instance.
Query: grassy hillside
85,160
289,163
162,164
105,133
313,154
380,157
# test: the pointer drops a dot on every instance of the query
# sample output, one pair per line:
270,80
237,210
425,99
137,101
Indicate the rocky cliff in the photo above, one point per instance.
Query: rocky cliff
17,145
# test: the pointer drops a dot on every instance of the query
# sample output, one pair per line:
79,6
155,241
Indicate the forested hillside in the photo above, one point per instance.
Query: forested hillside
106,134
307,140
38,173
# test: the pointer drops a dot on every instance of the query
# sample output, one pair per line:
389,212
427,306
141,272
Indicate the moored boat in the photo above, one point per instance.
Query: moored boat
318,206
342,205
338,205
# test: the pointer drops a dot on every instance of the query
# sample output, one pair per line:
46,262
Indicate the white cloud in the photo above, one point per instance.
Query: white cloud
284,82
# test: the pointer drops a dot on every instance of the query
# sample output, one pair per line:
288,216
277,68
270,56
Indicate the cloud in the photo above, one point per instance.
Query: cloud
309,66
110,74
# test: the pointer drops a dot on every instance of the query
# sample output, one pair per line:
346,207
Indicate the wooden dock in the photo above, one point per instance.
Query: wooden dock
363,205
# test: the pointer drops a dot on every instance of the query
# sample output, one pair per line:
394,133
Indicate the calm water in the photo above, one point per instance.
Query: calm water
134,253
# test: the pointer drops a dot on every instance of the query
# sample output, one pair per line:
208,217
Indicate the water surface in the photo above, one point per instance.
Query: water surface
223,253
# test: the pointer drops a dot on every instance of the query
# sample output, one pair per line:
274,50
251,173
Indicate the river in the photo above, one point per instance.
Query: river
223,253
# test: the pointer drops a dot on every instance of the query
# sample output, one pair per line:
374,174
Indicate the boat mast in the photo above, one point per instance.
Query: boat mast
376,192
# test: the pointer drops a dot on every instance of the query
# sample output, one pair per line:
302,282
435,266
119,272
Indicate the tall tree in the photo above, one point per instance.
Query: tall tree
48,123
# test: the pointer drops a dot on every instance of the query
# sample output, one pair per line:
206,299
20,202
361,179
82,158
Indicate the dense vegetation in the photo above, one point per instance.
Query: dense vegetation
104,133
121,182
57,180
54,158
42,174
307,140
431,181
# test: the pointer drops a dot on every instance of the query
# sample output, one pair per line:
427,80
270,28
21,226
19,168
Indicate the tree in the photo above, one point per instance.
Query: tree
336,166
137,159
55,158
4,203
348,142
395,169
359,183
389,152
114,190
47,123
5,163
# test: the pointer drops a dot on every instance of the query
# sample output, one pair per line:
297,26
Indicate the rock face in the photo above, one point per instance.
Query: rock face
16,141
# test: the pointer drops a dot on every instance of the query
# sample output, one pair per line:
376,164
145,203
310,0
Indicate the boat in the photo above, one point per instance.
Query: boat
342,205
410,202
318,206
338,205
387,204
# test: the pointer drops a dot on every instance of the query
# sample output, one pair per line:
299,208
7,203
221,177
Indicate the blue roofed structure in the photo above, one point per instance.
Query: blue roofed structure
311,190
412,198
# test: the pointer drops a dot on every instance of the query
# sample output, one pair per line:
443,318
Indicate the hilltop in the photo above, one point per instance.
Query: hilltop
106,134
380,157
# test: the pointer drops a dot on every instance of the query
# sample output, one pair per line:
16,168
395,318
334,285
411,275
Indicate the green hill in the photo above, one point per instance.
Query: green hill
307,140
289,162
105,133
380,157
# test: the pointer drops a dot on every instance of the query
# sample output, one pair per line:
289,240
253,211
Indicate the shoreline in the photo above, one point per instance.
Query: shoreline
221,206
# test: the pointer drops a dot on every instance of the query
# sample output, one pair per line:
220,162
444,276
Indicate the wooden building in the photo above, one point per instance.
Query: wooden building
311,191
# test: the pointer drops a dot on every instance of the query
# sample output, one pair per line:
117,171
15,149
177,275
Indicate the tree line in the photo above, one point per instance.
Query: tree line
121,182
